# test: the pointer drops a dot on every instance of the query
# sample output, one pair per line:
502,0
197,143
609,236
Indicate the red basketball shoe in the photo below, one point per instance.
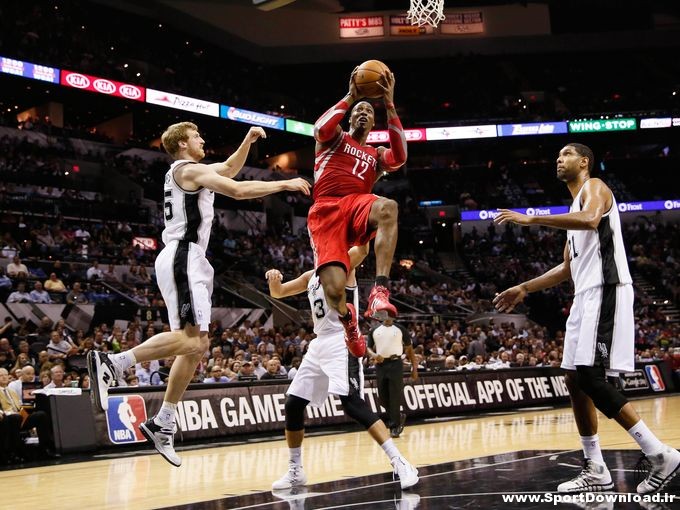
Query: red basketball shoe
379,306
356,343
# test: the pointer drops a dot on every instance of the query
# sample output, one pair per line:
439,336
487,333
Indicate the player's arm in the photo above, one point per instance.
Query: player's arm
235,162
197,175
596,201
327,127
393,158
508,299
278,289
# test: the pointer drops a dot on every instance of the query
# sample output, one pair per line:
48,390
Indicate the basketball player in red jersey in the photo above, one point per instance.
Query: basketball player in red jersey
345,213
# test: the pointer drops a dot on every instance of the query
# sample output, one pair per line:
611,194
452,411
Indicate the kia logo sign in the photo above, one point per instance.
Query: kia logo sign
104,86
78,80
130,91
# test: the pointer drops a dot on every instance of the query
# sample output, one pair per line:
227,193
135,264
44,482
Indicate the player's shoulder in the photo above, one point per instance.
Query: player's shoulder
595,184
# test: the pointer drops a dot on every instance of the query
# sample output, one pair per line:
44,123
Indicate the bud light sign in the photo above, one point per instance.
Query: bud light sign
102,86
255,118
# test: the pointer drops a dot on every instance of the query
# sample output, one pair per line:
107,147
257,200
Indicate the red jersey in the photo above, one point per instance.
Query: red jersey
345,168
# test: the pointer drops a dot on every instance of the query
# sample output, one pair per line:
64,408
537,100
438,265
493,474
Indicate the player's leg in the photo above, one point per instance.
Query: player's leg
580,334
310,385
333,277
160,429
295,433
359,410
383,219
383,386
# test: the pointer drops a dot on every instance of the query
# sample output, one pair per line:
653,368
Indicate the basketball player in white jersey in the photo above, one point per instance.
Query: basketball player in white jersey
599,337
184,275
328,367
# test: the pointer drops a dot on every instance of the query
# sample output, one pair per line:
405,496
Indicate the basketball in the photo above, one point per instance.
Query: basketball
368,76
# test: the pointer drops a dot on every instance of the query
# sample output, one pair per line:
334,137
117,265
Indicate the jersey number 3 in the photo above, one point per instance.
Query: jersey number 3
319,311
167,205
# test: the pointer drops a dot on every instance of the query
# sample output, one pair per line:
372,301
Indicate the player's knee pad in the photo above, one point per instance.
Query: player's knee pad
593,382
295,413
359,410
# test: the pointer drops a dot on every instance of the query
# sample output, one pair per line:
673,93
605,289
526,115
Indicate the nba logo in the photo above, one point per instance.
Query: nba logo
123,417
655,379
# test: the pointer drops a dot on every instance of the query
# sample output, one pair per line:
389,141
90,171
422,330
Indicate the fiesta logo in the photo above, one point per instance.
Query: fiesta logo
104,86
130,91
123,417
78,81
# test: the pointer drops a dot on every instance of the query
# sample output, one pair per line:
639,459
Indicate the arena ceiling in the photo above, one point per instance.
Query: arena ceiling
307,30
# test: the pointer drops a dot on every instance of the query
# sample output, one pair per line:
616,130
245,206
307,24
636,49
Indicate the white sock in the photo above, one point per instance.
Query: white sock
296,456
124,360
166,415
648,442
390,449
591,448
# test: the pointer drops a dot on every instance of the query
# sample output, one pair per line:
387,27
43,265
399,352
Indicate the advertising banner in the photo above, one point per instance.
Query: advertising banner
102,85
383,136
189,104
535,128
254,118
461,132
301,128
238,408
357,27
457,23
655,123
602,125
28,70
401,26
624,207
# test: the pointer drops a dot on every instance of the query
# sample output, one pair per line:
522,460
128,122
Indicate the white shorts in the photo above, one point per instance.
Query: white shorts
185,278
327,368
601,329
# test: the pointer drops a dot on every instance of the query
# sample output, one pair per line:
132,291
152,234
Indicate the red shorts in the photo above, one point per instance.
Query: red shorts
336,224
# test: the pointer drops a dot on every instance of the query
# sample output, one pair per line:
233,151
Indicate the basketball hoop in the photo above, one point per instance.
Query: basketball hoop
426,12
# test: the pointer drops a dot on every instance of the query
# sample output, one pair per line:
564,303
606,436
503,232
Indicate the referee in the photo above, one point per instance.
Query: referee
386,345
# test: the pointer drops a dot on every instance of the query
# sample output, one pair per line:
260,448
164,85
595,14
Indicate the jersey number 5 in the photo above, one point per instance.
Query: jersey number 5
167,205
319,311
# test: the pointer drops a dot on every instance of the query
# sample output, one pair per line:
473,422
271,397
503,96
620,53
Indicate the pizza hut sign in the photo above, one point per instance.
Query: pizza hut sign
102,85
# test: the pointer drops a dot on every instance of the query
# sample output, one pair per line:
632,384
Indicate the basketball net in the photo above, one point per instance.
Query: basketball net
426,12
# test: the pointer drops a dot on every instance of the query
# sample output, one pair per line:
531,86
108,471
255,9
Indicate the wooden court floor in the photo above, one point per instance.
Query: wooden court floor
147,481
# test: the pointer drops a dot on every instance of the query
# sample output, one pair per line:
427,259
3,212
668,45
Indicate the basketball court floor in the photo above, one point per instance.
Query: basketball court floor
464,462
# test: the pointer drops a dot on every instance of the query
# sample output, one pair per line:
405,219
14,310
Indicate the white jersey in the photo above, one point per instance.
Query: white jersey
598,257
188,214
326,320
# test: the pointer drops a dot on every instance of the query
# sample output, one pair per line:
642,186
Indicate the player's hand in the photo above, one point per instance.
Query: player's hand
508,299
353,89
298,184
506,215
387,85
254,133
273,275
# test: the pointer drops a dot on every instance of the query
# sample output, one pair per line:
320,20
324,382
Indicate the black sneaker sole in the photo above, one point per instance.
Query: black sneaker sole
150,438
95,396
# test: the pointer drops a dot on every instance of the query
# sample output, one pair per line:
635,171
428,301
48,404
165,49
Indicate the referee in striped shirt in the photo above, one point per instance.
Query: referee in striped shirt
386,346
